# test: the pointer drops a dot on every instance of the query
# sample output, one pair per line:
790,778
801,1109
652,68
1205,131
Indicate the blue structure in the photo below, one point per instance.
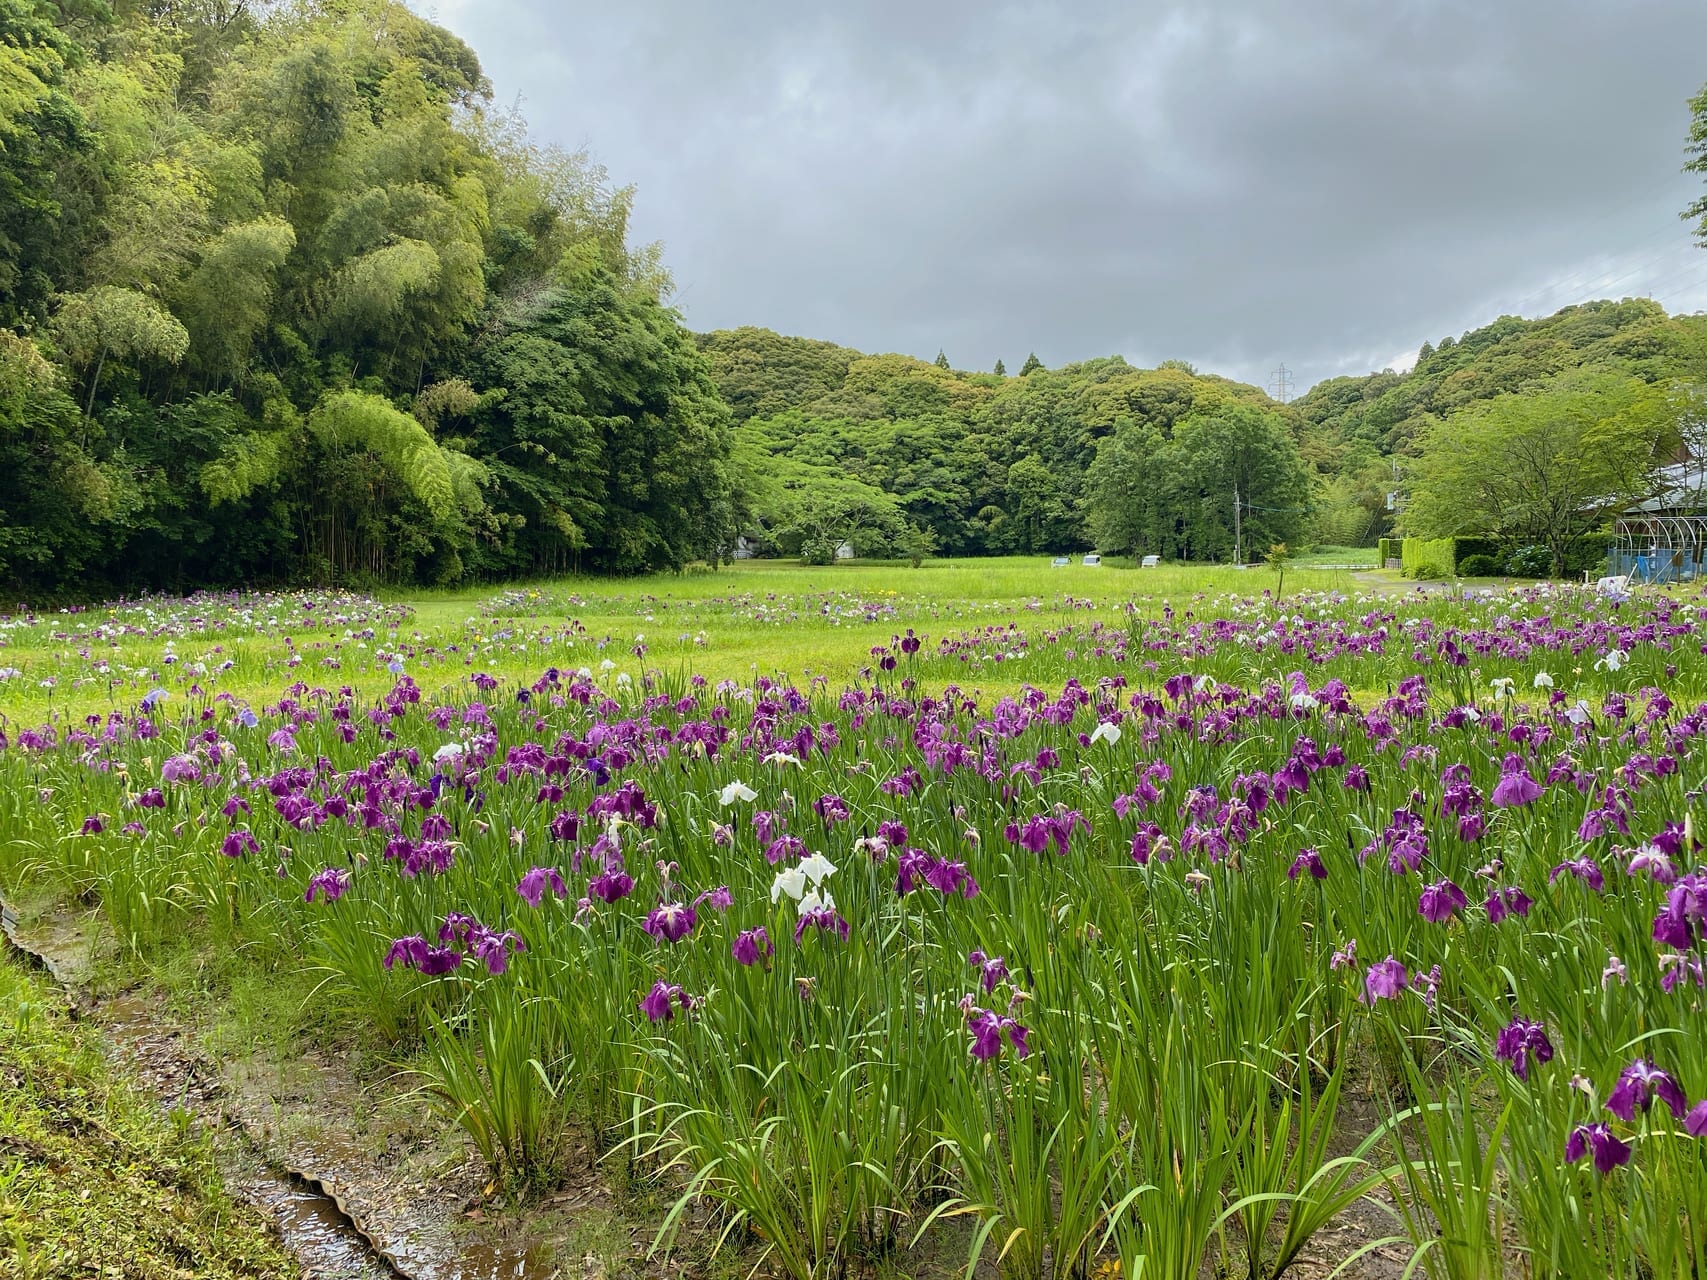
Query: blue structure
1659,548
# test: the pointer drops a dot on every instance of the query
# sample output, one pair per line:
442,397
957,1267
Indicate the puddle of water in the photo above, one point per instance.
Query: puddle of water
312,1228
488,1262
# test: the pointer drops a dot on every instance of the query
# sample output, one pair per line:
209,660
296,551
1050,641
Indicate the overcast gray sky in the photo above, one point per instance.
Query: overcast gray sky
1232,182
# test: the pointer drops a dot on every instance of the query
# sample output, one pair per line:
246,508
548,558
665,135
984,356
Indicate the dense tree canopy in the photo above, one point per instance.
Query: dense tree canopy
284,298
988,464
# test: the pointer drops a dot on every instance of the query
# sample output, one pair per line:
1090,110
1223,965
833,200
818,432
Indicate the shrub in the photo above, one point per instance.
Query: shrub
1465,547
817,551
1587,553
1530,562
1479,567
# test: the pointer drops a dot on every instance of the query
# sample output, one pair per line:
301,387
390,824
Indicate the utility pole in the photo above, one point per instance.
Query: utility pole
1238,557
1281,384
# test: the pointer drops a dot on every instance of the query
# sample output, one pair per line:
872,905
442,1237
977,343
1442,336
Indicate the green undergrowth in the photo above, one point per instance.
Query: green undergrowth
94,1178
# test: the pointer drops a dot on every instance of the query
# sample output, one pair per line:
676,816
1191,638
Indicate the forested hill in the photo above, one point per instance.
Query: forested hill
884,449
283,299
1389,411
834,443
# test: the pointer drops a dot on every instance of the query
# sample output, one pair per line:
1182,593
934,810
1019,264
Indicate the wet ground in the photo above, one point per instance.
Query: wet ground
345,1213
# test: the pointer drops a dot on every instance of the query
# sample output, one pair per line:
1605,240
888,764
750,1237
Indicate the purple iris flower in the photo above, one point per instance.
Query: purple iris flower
826,919
767,825
1309,860
1516,787
1670,839
410,951
1291,776
537,881
92,825
991,969
1608,1150
1033,837
1695,1123
1440,901
670,921
1044,829
611,885
785,846
910,868
238,843
1149,841
1584,869
413,952
1684,917
495,949
950,878
658,1003
181,769
330,884
1357,778
947,878
1638,1085
1507,902
718,899
752,946
1655,862
988,1027
1676,968
1384,981
1521,1043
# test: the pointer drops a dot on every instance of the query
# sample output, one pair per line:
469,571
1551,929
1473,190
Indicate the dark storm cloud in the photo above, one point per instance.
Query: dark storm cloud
1233,183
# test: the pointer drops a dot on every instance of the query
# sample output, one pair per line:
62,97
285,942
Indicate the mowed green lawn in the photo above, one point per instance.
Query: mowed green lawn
755,617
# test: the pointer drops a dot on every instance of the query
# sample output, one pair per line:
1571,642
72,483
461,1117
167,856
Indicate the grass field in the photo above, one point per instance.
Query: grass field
755,617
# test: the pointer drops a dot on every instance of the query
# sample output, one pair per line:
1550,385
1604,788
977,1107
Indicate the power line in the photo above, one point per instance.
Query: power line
1687,281
1280,384
1588,280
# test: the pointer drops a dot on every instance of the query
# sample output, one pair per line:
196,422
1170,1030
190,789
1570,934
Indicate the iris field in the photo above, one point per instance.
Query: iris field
1048,917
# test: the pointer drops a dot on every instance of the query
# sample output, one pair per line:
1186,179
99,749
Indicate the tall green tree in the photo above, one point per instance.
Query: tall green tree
1238,449
1129,490
1696,150
41,129
605,434
1543,466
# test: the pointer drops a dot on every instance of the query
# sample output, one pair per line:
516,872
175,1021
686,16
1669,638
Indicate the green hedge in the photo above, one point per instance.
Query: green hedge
1445,557
1428,559
1387,549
